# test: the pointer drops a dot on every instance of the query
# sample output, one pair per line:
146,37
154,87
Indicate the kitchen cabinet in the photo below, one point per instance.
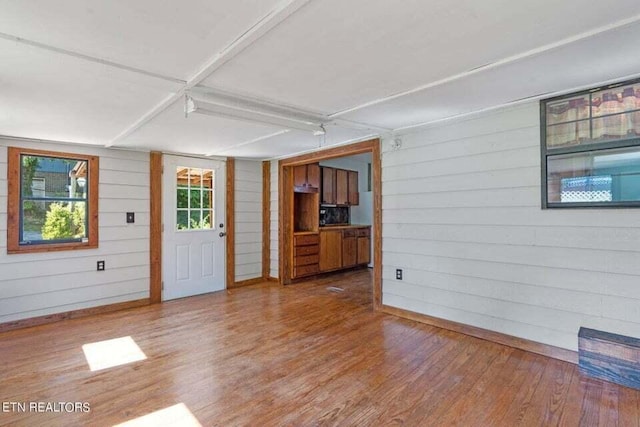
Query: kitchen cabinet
363,245
342,187
330,250
353,194
339,187
349,248
344,247
306,178
306,254
328,186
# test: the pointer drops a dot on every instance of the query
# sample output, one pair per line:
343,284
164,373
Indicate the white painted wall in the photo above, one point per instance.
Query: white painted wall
273,248
462,218
44,283
248,219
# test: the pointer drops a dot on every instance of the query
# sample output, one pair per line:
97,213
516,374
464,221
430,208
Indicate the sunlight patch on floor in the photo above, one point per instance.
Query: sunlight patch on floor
176,415
107,354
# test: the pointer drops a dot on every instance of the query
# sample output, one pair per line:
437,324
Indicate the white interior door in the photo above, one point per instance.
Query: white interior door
193,260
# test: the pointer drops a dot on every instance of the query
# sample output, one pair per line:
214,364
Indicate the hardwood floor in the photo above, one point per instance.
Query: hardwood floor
299,355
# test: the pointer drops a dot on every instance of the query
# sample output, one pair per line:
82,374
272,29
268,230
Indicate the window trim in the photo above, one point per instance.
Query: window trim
598,146
13,202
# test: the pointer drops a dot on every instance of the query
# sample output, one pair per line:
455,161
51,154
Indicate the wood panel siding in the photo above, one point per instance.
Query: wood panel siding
322,358
248,220
462,218
43,284
273,226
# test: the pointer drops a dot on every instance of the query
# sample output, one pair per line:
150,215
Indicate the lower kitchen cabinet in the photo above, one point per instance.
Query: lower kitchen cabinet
344,248
349,248
330,250
364,249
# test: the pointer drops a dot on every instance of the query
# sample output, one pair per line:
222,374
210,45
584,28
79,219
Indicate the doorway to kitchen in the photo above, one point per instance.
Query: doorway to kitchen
301,201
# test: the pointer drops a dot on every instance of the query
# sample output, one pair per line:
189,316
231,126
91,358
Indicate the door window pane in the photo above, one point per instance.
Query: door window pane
195,195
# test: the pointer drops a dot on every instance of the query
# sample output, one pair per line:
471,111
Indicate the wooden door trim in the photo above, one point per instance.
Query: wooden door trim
285,207
155,227
230,199
266,220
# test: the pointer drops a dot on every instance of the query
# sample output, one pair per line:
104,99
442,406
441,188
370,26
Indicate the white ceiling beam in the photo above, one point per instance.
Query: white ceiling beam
88,58
281,12
504,61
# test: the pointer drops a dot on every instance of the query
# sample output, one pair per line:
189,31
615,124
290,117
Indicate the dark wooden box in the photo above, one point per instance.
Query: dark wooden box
609,357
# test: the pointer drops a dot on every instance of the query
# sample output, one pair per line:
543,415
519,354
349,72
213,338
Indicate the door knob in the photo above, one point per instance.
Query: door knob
222,234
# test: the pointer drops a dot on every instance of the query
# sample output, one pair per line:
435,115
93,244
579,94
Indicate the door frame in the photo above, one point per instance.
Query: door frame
285,207
155,223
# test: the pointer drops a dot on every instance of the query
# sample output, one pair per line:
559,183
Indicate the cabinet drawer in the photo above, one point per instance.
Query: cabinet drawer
364,232
305,260
306,250
349,233
306,270
306,239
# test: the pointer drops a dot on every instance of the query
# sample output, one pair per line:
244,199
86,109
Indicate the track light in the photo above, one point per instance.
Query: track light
201,107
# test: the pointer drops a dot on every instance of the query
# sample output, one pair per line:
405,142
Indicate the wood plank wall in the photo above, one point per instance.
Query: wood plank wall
462,218
248,220
41,284
274,230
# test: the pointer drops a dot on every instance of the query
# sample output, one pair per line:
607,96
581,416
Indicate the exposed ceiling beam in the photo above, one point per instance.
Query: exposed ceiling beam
504,61
281,12
88,58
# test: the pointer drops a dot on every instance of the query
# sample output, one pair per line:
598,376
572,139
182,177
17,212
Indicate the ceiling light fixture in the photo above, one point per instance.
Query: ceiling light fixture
321,131
217,110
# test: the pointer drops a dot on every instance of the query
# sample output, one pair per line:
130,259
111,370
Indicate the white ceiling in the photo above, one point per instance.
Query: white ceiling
113,72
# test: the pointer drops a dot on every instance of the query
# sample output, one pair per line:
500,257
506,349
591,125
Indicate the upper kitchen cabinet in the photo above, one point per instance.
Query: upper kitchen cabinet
354,195
339,187
306,178
342,187
328,186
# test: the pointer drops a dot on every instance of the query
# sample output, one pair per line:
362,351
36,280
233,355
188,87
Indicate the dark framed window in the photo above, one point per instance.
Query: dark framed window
53,201
590,150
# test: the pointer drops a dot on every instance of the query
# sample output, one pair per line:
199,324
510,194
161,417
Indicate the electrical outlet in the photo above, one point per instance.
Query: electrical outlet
100,265
398,274
131,217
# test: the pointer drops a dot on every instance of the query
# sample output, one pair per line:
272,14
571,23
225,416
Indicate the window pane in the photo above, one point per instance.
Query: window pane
207,219
53,177
595,176
195,201
53,221
207,199
182,220
614,112
195,222
182,198
207,179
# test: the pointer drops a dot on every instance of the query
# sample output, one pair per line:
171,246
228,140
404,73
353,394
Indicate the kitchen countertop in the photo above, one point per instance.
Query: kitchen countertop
331,227
341,227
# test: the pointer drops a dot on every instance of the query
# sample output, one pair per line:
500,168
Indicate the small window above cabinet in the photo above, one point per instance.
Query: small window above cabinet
590,153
